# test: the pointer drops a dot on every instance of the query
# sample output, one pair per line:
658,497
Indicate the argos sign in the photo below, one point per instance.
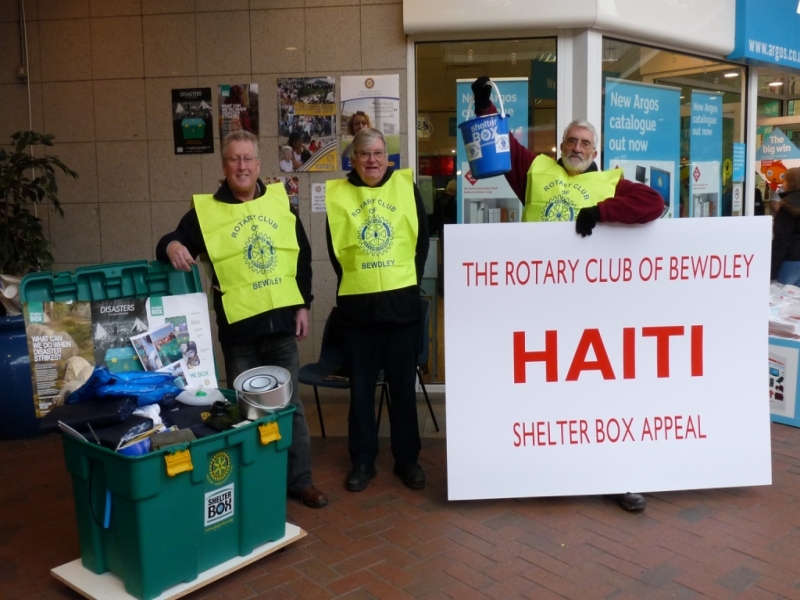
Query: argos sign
766,32
631,360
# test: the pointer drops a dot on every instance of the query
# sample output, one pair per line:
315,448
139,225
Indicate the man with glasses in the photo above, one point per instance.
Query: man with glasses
261,280
378,242
574,189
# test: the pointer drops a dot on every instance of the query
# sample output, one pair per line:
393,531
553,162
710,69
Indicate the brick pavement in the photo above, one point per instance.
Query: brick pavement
391,542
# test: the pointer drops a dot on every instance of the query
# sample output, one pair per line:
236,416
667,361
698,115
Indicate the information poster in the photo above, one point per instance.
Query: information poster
238,108
59,347
642,136
192,121
377,97
705,155
632,371
491,199
307,124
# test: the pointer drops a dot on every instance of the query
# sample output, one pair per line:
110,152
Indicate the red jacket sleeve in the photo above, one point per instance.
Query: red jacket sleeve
632,202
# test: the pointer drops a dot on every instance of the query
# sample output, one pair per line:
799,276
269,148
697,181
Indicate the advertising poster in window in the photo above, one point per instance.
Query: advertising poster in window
588,391
705,155
371,101
492,199
307,124
238,108
641,136
192,121
776,154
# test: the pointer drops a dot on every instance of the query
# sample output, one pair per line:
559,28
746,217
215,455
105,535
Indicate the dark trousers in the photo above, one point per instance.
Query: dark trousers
278,350
393,348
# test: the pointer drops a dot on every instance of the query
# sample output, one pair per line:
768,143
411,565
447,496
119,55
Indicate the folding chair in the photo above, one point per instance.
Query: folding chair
326,371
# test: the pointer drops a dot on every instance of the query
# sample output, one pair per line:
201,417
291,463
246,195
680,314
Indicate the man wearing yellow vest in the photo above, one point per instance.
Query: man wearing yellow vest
262,281
378,242
574,189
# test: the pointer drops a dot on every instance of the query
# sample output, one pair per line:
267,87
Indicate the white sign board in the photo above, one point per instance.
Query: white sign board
631,360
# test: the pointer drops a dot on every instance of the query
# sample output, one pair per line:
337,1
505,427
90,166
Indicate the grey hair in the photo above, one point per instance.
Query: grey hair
582,124
365,137
239,136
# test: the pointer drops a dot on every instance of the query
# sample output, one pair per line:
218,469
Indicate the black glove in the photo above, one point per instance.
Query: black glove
482,92
587,218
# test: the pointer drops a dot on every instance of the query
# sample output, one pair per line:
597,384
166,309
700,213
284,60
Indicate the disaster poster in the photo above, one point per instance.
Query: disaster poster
238,108
60,350
192,121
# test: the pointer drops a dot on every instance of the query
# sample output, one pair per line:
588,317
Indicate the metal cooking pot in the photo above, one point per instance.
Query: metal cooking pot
262,391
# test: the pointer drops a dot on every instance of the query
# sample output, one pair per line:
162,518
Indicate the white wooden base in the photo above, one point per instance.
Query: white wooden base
109,586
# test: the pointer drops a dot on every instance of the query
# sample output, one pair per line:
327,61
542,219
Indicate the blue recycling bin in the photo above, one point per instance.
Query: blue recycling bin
17,415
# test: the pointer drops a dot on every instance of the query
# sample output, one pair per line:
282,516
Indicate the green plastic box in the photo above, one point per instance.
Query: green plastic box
177,512
193,129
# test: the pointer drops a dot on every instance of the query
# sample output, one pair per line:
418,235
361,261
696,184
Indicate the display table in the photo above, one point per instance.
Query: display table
109,586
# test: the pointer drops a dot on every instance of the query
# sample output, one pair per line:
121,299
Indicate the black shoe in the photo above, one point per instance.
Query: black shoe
359,476
411,475
631,502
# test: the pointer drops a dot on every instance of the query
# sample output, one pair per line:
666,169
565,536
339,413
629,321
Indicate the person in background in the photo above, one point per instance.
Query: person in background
758,205
607,198
263,294
377,237
786,232
285,163
300,154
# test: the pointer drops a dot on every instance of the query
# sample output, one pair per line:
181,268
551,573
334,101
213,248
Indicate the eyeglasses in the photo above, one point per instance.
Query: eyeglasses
583,144
235,160
376,154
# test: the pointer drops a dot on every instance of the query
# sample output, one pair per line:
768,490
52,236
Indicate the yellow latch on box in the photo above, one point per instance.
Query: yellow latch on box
178,462
269,433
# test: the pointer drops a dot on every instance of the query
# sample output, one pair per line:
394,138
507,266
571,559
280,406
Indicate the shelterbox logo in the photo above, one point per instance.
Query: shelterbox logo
156,306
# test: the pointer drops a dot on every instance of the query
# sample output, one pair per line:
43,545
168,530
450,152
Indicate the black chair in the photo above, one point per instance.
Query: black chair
327,372
422,360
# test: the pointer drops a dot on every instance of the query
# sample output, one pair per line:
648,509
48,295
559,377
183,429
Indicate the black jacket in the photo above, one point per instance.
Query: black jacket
279,320
395,306
786,231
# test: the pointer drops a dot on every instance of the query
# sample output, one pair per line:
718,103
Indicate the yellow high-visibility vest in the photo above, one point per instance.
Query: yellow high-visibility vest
253,247
555,195
374,233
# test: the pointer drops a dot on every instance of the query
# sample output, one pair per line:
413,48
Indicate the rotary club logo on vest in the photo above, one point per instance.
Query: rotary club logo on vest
376,235
260,254
559,208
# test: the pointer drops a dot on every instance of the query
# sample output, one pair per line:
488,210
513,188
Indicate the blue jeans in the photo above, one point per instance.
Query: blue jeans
279,350
789,272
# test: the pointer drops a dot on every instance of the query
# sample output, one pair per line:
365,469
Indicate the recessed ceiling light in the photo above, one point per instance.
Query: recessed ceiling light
775,84
291,48
731,74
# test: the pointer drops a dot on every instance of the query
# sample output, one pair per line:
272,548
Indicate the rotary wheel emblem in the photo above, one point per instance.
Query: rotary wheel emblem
219,467
376,235
559,209
259,253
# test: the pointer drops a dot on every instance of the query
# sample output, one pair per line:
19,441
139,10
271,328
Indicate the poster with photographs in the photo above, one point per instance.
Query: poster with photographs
307,124
371,101
113,324
60,350
238,108
180,330
192,121
292,186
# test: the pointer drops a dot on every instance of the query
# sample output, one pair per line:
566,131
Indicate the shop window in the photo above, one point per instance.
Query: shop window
671,120
444,72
